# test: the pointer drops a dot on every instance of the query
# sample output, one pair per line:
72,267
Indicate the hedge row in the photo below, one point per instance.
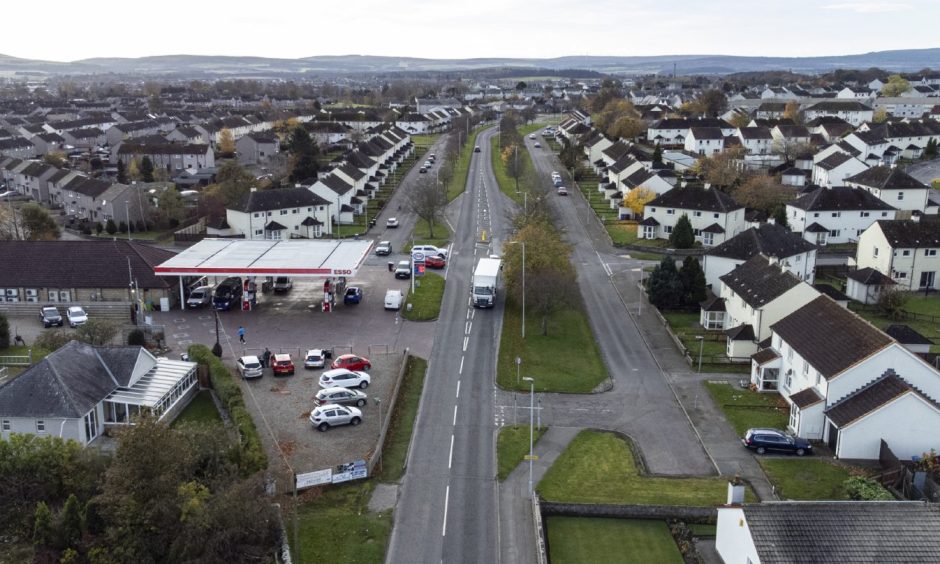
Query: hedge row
250,454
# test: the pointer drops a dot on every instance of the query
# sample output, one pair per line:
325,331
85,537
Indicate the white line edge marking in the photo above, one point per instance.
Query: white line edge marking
460,372
455,415
450,459
458,388
446,501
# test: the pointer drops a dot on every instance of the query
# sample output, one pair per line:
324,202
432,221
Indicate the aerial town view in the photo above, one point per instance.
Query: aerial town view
437,283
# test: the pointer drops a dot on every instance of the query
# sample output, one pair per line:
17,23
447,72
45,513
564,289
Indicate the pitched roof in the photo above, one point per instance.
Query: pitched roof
908,234
806,397
868,276
871,397
695,198
887,178
831,291
830,337
770,239
764,356
278,199
834,160
758,132
758,281
906,335
706,132
840,198
860,532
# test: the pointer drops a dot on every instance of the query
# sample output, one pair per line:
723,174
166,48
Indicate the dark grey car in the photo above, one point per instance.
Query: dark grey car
343,396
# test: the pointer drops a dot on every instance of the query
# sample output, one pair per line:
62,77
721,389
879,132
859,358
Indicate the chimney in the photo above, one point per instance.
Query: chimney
736,491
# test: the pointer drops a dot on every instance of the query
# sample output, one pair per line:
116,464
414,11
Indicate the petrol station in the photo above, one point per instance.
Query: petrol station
333,261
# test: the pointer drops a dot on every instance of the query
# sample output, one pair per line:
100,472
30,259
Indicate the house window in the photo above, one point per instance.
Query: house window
296,210
652,210
874,253
257,214
310,209
697,214
906,253
834,233
269,214
790,354
40,426
6,425
818,378
836,214
670,212
865,214
884,214
91,425
794,415
805,368
667,229
708,239
259,232
816,214
900,196
296,227
930,252
283,212
715,215
697,232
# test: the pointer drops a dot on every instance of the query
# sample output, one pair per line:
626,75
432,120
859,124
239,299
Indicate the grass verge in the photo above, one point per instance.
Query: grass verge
200,411
610,541
686,326
622,232
507,184
745,409
808,479
599,467
395,453
462,167
512,445
549,357
426,299
421,235
335,524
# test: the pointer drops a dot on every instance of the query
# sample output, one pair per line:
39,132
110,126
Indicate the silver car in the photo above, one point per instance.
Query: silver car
344,396
343,378
314,359
327,416
249,367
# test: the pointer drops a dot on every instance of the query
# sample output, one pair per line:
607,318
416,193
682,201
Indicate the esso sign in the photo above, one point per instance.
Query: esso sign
417,256
342,272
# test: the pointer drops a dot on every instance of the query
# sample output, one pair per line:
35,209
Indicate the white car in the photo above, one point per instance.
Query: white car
342,378
393,299
391,222
531,136
429,250
327,416
249,367
77,316
314,359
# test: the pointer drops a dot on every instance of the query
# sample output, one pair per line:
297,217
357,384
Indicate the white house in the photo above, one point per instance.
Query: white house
704,140
849,384
756,140
283,213
835,168
339,193
892,186
715,217
790,250
79,390
852,111
904,250
828,216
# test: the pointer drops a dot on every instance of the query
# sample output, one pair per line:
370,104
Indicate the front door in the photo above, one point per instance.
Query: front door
833,437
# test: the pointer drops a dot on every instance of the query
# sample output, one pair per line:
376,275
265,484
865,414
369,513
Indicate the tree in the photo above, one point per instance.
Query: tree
98,228
170,206
657,155
780,216
930,150
146,169
55,158
740,119
682,236
43,530
710,103
762,193
637,198
427,201
895,86
720,169
628,128
121,172
37,224
692,278
133,170
303,151
665,288
122,227
614,111
226,142
891,302
70,523
514,166
880,115
111,227
4,331
136,338
520,86
98,332
548,272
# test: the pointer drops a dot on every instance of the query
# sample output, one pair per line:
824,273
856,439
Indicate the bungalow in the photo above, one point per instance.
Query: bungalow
284,213
835,215
849,384
80,390
904,250
771,240
715,217
892,186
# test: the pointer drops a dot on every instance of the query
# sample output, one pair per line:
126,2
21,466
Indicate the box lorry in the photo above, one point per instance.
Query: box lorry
485,280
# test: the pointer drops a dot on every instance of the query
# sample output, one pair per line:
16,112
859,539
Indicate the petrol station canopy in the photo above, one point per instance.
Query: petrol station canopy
294,258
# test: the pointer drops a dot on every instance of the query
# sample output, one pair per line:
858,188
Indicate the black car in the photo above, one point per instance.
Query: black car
765,440
50,316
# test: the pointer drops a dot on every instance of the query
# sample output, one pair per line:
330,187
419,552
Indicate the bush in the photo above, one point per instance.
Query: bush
250,455
866,489
140,225
4,332
111,227
136,338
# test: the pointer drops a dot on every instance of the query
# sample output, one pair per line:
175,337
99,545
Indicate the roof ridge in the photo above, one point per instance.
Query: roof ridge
67,390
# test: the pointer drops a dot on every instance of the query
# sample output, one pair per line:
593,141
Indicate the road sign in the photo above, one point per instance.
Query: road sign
417,257
531,457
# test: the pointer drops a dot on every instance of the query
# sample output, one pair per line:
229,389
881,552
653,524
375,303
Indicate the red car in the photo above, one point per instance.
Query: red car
351,362
282,365
435,261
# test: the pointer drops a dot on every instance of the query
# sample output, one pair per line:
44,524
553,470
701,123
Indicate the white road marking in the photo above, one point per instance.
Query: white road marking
468,313
458,388
450,459
461,371
446,501
472,313
466,328
470,328
465,341
455,415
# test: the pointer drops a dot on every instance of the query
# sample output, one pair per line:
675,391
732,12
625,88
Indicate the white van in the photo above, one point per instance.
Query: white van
393,299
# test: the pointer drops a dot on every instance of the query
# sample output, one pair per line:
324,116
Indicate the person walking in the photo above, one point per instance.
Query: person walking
241,334
266,357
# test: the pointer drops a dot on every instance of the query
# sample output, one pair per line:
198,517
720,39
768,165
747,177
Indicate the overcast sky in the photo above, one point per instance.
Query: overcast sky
65,31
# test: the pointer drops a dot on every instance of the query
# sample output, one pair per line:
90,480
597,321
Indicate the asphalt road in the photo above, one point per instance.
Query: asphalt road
448,502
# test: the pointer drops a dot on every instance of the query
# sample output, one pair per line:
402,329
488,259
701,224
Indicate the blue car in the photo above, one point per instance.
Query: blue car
353,295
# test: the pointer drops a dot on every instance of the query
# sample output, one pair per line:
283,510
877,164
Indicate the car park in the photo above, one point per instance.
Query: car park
199,297
50,317
281,364
393,299
344,378
283,284
77,316
429,250
351,362
249,367
562,191
767,440
435,261
341,396
315,358
391,223
353,295
327,416
403,270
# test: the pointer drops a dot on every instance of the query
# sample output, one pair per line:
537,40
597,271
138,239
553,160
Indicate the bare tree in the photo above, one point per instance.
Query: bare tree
549,290
427,200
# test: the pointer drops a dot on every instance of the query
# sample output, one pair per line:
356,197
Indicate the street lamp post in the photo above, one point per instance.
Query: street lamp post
531,382
701,345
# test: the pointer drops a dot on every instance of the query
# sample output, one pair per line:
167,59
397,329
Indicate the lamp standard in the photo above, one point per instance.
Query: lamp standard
701,345
531,382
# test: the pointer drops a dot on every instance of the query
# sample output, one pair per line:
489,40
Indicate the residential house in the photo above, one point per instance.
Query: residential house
327,133
770,110
35,180
852,111
48,143
835,168
771,240
339,193
18,147
187,134
866,285
283,213
123,131
788,138
79,390
905,250
793,177
704,140
672,132
909,338
86,138
756,140
594,145
892,186
171,157
832,129
854,93
849,384
828,216
257,148
714,215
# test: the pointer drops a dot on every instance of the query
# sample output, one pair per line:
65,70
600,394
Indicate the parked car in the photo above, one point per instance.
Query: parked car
429,250
77,316
344,396
344,378
764,440
562,191
249,367
281,364
403,270
422,170
351,362
435,261
327,416
391,223
476,149
50,316
393,299
315,358
432,157
199,297
427,164
283,284
353,295
384,248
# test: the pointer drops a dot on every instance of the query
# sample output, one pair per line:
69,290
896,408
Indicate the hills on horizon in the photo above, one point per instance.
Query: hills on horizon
906,60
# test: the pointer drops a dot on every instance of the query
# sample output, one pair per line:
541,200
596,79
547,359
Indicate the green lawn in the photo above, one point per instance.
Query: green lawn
686,326
549,358
598,467
915,303
507,184
337,526
395,453
807,479
745,409
462,167
577,540
426,299
622,232
512,445
422,235
201,411
424,141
